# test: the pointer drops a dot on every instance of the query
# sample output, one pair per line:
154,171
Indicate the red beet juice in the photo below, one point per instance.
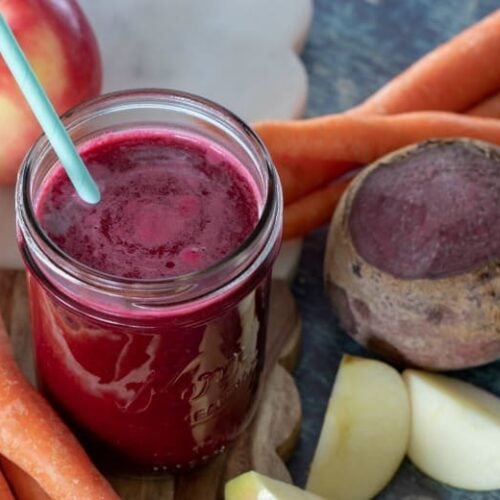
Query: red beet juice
150,387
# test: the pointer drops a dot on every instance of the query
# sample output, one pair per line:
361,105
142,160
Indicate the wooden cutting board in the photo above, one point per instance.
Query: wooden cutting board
263,447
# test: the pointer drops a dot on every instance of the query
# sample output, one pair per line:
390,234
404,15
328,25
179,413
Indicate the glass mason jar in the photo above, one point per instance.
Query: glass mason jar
151,374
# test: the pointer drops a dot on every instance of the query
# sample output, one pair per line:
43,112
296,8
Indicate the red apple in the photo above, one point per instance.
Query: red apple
59,42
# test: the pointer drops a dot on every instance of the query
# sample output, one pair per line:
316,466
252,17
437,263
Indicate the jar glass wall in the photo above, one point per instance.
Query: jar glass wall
160,373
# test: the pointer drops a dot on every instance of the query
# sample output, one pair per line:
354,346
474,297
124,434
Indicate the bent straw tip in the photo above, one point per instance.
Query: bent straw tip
89,194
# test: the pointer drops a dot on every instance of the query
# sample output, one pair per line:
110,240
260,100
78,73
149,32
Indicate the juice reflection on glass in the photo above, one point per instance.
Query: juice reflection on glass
149,308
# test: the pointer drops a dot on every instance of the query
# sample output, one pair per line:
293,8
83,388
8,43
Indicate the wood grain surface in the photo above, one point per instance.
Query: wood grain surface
269,440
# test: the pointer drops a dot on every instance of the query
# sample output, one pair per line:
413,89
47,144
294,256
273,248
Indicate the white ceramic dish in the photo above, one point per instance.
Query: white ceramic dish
241,54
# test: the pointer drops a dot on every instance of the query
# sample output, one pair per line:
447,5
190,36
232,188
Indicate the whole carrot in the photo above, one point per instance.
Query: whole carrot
362,139
312,211
34,438
488,108
23,485
435,82
300,177
5,491
453,77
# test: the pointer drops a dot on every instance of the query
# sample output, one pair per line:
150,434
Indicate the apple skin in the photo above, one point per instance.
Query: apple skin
60,45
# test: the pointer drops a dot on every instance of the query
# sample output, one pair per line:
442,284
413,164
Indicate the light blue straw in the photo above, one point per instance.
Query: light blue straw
46,115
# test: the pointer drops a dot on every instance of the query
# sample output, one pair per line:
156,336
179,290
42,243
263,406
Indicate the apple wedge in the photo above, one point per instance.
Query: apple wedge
455,436
254,486
365,432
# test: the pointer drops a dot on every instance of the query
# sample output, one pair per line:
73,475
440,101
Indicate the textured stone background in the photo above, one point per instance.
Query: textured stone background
353,48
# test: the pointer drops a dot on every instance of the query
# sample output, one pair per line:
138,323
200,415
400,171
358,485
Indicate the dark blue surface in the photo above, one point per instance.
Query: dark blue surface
354,47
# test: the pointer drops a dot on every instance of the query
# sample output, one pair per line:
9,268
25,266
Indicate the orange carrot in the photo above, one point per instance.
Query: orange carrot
453,77
362,139
488,108
5,491
299,178
34,438
23,485
312,211
435,82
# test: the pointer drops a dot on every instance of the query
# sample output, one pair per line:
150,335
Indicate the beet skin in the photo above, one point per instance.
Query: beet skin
413,255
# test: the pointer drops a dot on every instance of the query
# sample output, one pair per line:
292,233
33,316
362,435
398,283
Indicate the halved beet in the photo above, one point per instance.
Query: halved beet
413,255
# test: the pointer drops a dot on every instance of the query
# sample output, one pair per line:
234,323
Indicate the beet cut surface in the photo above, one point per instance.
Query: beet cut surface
430,214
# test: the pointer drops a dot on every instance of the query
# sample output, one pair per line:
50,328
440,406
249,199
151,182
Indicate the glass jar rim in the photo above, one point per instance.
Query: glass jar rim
268,226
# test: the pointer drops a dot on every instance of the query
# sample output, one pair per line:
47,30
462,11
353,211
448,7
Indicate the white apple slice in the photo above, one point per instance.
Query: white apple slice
455,436
255,486
365,432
